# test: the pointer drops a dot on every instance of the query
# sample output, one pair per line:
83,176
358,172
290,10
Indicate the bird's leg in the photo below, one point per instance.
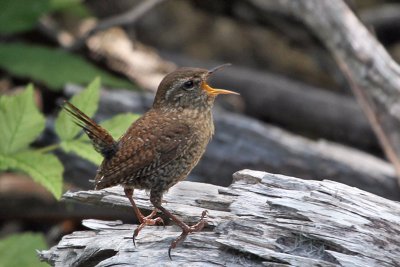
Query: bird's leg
186,229
143,220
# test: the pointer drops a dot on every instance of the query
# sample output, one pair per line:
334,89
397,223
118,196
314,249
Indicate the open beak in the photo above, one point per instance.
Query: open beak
214,91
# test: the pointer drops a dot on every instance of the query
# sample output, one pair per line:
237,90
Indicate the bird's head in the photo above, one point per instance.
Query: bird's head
188,88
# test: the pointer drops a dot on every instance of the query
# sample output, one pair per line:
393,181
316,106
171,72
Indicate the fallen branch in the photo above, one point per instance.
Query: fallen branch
261,219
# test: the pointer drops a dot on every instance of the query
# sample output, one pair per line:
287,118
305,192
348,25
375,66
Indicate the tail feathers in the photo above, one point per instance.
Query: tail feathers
102,141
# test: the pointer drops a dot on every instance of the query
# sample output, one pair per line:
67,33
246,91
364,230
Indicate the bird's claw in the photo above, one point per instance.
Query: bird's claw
188,230
148,220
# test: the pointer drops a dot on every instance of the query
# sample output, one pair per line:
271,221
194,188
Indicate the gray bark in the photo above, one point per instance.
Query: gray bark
261,219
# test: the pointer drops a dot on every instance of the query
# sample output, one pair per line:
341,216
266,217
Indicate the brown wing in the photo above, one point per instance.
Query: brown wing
149,143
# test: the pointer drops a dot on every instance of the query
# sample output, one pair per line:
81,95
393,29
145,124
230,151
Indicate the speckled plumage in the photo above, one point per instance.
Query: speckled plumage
162,147
157,151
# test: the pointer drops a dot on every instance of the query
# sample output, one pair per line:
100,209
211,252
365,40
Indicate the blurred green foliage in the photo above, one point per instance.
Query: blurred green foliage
49,66
74,7
52,67
20,250
20,15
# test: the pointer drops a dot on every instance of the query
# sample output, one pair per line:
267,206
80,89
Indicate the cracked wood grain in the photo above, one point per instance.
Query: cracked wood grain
261,219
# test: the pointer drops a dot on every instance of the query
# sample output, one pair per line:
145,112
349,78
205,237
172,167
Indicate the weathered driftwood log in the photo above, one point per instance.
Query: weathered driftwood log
241,142
262,219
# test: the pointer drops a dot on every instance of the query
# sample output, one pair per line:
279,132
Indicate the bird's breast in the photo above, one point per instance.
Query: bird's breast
201,122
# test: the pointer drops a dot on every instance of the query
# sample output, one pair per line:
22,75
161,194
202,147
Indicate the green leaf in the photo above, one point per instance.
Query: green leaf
87,101
45,169
21,15
118,124
51,66
82,148
20,250
20,120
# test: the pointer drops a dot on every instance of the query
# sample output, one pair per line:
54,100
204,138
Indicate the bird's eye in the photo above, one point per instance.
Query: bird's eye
188,85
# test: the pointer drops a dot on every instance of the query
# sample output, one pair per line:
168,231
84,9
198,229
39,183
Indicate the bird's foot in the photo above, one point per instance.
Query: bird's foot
147,220
188,230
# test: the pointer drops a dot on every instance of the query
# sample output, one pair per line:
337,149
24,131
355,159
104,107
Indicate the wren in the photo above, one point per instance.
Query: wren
160,148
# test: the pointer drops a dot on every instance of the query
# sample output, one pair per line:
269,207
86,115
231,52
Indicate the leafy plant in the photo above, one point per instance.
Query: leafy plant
22,123
20,250
52,67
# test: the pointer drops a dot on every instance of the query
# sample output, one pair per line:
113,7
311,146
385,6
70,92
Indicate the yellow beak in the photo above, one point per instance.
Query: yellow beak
213,91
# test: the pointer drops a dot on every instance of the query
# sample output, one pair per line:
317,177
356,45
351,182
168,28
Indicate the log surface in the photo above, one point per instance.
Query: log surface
261,219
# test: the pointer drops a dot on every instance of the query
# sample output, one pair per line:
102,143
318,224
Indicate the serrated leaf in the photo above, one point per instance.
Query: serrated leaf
118,124
20,250
52,67
20,120
21,15
82,148
87,101
45,169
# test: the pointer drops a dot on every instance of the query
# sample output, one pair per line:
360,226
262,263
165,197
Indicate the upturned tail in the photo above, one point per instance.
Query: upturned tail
102,141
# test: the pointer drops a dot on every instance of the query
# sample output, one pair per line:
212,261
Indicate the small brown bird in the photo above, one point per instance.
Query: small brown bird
162,147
